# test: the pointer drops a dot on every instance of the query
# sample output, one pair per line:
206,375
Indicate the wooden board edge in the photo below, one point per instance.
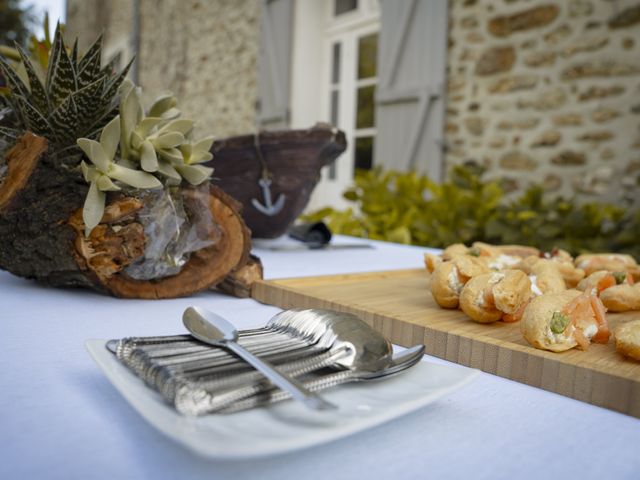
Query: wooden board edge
616,393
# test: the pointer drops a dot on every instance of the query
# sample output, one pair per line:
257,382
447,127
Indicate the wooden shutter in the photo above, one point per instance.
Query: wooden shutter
411,76
274,63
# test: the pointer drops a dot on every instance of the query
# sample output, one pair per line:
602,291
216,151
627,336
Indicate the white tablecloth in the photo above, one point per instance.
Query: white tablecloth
60,418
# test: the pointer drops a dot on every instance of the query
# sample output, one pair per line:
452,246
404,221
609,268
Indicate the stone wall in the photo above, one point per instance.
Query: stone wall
547,92
205,52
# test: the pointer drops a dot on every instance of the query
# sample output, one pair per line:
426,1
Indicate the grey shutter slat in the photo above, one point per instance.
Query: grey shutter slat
274,63
409,97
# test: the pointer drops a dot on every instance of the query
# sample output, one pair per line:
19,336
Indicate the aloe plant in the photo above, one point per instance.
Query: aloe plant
75,97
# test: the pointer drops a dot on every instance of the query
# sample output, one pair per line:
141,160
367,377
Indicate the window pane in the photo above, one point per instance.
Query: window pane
364,153
344,6
335,64
365,117
367,53
335,104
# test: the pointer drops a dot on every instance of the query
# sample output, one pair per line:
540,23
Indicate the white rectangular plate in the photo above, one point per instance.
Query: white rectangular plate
286,426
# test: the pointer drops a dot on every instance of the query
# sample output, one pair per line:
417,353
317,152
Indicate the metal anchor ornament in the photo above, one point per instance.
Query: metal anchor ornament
269,208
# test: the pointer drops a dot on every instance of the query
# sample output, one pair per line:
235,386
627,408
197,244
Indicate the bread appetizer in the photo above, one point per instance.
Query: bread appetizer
489,297
564,320
621,298
613,262
449,278
627,337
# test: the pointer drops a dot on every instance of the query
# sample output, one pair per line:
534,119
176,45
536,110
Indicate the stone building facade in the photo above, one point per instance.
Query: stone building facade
547,92
205,52
538,90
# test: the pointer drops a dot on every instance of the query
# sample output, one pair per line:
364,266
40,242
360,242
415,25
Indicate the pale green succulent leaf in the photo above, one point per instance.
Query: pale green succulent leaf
205,144
105,184
199,156
90,173
134,178
166,169
162,104
171,114
110,138
194,174
124,89
136,140
93,208
173,155
148,157
146,126
94,152
182,125
130,115
168,140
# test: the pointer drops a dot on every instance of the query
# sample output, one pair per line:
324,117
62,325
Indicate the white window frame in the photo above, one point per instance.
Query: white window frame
311,81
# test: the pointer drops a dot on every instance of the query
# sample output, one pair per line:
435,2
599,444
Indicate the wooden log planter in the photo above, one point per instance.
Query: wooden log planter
42,233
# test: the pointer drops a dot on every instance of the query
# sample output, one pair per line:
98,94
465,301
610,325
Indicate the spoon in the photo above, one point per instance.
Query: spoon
210,328
399,362
351,345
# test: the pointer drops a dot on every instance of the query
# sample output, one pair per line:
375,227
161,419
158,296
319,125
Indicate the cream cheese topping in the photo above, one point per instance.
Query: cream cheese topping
454,281
534,285
502,261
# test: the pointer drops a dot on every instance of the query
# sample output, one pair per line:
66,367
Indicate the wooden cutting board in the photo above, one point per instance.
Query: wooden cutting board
398,304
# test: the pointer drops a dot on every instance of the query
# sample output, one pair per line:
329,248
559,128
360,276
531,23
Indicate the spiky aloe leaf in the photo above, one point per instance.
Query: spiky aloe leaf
61,78
97,126
64,121
14,82
38,93
88,100
10,133
34,120
112,86
74,55
89,66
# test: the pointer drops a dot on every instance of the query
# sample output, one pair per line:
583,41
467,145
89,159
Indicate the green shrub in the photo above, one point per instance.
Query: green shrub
409,208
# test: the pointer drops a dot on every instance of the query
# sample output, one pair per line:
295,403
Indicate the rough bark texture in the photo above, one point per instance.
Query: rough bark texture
239,282
293,159
41,232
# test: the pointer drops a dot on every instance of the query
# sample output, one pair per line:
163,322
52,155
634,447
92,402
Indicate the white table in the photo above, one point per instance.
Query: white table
61,418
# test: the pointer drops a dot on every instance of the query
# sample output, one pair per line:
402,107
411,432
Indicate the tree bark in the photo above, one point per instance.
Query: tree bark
42,233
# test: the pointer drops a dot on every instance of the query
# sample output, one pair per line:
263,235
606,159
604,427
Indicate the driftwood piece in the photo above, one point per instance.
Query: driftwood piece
42,233
293,159
239,282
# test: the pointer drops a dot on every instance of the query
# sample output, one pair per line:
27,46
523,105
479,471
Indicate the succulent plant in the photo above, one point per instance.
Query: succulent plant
105,170
160,142
76,97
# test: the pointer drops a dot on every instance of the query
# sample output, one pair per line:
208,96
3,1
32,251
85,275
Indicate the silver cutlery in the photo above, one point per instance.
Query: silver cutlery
210,328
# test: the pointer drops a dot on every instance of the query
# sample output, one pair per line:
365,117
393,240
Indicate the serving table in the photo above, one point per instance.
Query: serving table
61,418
